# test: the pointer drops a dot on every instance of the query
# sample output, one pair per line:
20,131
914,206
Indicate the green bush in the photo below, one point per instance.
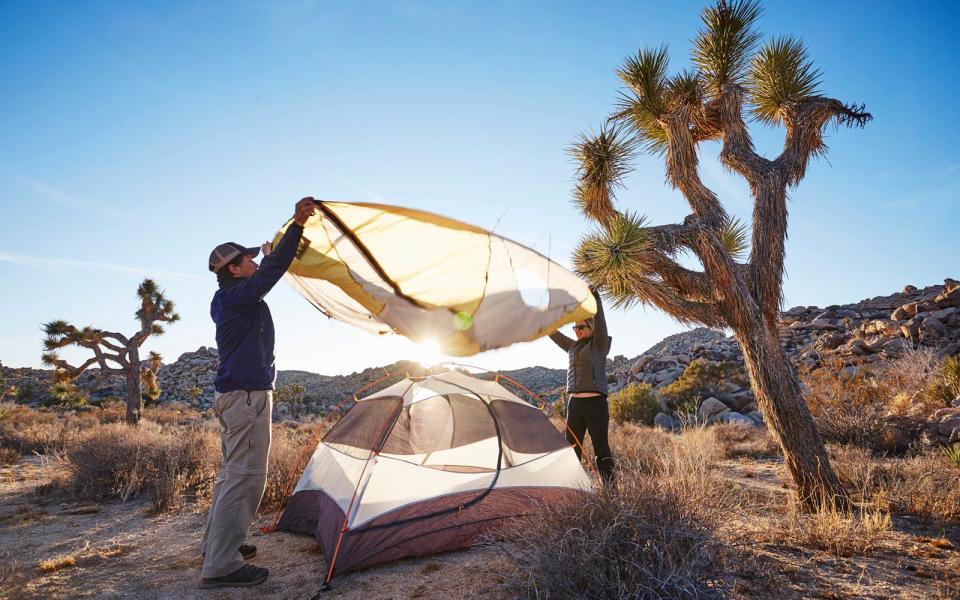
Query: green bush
702,379
635,403
66,394
560,405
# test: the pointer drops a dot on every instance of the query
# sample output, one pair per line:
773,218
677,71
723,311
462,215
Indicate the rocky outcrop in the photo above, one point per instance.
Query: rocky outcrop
839,337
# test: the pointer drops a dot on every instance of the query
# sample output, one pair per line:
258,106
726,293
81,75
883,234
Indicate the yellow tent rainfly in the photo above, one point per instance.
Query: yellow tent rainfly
432,279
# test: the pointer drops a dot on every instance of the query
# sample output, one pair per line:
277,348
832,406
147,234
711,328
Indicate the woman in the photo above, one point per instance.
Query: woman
587,409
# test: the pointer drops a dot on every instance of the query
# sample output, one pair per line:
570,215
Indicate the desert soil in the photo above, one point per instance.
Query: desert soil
53,548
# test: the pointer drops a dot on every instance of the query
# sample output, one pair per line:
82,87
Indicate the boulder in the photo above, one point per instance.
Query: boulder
949,297
665,422
710,407
734,417
756,416
949,424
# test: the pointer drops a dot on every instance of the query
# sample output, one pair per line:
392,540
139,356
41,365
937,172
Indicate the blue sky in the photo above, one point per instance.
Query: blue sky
136,136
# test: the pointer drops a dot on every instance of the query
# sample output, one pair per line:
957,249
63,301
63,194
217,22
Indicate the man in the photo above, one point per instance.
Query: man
244,400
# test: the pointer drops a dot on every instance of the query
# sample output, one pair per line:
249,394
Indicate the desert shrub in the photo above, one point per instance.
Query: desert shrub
119,461
920,485
702,379
740,440
560,405
635,403
856,410
646,537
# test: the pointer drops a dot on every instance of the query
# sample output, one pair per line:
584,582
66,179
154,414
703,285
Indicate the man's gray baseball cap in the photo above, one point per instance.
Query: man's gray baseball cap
224,253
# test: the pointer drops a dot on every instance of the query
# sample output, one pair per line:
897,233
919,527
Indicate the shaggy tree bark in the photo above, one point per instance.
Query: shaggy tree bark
637,263
115,353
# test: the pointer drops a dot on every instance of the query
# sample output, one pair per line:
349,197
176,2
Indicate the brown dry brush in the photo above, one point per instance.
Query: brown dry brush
924,485
655,534
117,461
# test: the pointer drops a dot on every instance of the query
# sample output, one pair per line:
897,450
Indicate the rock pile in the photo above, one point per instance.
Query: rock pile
841,337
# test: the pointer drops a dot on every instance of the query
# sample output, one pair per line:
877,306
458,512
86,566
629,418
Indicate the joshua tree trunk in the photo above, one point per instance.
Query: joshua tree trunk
777,390
134,394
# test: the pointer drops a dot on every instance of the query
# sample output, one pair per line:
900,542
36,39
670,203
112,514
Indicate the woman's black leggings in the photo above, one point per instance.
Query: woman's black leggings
591,415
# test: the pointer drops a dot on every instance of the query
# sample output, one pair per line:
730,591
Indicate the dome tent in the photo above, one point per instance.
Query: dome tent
428,465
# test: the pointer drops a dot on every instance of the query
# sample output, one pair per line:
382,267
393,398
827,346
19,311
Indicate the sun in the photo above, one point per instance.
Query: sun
429,353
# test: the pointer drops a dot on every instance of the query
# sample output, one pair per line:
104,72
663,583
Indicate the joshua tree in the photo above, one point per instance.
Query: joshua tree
293,394
734,78
115,353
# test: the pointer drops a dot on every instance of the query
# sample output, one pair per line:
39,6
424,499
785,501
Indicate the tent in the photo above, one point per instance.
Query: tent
427,465
389,269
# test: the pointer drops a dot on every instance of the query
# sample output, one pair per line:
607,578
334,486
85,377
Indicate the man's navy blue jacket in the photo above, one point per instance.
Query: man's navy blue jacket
244,327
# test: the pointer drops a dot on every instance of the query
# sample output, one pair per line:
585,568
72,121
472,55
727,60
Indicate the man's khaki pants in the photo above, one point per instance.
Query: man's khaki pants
245,443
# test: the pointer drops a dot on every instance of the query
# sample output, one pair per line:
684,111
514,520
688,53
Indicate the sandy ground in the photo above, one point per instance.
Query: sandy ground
121,550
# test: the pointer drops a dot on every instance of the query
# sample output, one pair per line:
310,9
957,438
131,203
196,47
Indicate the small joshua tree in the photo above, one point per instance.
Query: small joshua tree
670,116
293,394
115,353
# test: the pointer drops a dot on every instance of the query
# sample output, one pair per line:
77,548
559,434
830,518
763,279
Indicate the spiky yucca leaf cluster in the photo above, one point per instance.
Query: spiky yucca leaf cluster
735,237
723,48
646,77
615,256
781,74
604,160
154,306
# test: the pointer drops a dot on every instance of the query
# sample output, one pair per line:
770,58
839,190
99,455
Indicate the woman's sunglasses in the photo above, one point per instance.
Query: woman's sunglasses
580,327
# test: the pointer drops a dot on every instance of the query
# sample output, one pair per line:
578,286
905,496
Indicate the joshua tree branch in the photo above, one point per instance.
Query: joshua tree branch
119,337
738,153
805,121
682,309
682,168
112,346
669,239
690,285
65,366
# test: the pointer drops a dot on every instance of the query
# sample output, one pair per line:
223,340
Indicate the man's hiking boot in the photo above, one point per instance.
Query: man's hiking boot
245,576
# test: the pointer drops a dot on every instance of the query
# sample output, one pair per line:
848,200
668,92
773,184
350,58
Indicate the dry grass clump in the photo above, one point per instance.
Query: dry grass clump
640,539
651,535
857,410
118,461
8,456
925,485
57,563
839,533
740,440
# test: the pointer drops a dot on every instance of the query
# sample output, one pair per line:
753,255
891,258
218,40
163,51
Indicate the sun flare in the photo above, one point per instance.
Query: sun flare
429,353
